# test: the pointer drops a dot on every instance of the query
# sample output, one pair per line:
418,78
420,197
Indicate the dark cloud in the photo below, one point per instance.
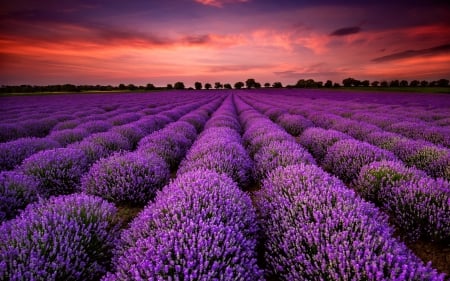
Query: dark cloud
346,31
232,68
415,53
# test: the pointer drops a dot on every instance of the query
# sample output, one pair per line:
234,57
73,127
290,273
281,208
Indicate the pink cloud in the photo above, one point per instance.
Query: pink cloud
219,3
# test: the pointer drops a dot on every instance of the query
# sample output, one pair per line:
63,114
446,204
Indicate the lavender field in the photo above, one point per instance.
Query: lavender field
225,185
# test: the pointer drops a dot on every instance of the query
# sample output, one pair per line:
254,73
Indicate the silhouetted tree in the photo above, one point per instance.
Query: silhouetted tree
227,86
218,85
403,83
301,83
208,86
443,82
328,84
384,84
179,85
250,83
122,87
277,85
257,85
336,85
414,83
267,85
394,83
198,85
433,84
310,83
365,83
348,82
375,84
239,85
319,84
169,87
424,83
150,87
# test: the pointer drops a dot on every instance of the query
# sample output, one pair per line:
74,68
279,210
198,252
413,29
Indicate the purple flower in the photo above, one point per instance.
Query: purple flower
111,141
64,125
345,158
276,154
96,126
318,140
377,176
317,229
131,178
294,124
65,137
58,170
16,192
12,153
124,118
200,227
131,132
420,207
10,132
65,238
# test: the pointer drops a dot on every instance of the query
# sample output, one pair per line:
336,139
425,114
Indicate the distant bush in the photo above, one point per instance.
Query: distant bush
16,192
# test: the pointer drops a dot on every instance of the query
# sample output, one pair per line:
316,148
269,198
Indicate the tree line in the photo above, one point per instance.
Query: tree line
249,84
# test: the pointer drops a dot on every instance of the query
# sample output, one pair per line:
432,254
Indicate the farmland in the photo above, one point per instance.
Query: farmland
262,184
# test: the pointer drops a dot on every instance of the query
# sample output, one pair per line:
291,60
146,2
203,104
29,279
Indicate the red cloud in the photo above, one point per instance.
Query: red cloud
219,3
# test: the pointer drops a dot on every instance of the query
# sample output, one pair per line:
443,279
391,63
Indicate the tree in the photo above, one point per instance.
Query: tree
365,83
394,83
179,86
208,86
310,83
169,87
301,83
424,83
267,85
250,83
150,87
348,82
238,85
198,85
443,82
257,85
328,84
277,85
336,85
218,85
132,87
384,84
227,86
414,83
122,87
375,84
403,83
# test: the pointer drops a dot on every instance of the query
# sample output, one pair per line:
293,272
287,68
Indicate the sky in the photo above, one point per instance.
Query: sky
146,41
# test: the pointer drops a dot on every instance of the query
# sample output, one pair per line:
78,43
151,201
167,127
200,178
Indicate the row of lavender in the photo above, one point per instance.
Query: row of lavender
83,227
418,204
59,171
201,226
314,227
12,153
40,115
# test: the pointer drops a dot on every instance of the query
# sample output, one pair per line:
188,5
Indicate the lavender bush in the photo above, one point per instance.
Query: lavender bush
16,192
377,176
277,154
65,238
318,140
131,178
317,229
131,132
294,124
68,136
12,153
96,126
58,170
421,208
345,158
200,227
110,141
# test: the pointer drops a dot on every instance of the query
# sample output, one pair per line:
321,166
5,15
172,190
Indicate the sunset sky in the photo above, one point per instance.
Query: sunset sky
146,41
